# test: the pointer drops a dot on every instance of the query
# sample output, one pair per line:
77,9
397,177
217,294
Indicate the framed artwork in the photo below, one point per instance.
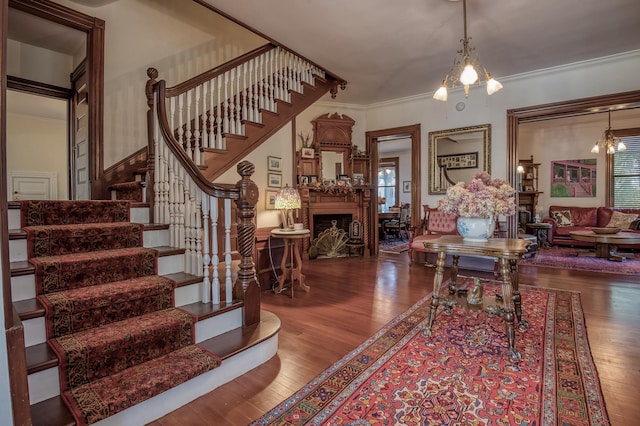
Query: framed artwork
303,180
358,179
313,178
529,176
270,199
467,160
274,180
528,188
308,153
274,164
406,186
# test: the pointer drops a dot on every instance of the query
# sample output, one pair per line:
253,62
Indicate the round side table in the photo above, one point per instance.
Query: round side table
291,250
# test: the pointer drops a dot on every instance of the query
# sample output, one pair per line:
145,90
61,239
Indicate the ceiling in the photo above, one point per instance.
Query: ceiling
394,49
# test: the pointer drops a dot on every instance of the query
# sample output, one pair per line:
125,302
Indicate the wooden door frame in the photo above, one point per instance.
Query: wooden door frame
94,29
556,110
412,132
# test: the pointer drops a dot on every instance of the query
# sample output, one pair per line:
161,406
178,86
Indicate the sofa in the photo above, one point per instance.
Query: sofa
565,219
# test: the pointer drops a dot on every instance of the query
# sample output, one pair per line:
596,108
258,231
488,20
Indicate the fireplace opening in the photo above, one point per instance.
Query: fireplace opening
323,221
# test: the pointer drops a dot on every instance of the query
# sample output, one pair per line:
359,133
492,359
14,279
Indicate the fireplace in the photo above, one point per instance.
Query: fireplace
319,207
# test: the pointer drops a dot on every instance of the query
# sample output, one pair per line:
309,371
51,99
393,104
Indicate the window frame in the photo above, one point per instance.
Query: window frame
610,177
393,162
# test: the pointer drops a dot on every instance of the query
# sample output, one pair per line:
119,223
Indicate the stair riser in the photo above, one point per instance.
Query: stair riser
13,219
45,384
151,238
35,331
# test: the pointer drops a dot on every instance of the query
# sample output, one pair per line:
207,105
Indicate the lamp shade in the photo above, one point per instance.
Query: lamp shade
288,198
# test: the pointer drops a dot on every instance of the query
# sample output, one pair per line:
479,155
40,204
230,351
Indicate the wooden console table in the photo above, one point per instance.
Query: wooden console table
508,251
291,250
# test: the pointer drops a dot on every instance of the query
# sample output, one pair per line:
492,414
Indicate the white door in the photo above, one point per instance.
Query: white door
33,186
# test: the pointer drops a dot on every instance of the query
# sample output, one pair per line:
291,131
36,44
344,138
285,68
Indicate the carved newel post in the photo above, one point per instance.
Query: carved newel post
246,286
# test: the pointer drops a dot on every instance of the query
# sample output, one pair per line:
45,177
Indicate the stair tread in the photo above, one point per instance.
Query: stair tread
32,308
53,411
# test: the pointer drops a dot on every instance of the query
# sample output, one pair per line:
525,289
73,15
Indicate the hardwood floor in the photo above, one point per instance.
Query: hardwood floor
351,298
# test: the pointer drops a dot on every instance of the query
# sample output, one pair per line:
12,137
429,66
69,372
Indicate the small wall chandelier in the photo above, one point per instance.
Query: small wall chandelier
464,68
608,142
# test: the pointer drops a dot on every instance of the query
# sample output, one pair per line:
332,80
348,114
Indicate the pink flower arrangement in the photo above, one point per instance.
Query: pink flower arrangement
482,197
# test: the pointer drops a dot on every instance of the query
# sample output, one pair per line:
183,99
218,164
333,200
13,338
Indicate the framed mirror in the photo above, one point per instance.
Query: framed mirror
333,163
456,155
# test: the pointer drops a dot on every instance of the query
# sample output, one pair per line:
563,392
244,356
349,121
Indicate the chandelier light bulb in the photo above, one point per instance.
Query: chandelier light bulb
622,146
441,94
611,149
595,149
493,86
469,75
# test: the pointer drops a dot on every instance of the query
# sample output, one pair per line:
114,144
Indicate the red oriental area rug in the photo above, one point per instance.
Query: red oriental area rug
461,375
579,259
394,245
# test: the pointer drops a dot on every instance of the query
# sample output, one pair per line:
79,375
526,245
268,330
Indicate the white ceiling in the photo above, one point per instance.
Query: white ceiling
394,49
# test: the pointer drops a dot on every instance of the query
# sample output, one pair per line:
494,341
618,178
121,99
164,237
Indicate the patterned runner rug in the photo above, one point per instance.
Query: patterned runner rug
572,258
461,375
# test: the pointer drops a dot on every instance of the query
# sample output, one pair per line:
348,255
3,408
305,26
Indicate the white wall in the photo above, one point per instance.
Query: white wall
586,79
37,137
38,64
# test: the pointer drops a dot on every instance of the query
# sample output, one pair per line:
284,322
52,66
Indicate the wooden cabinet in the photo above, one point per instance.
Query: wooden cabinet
527,190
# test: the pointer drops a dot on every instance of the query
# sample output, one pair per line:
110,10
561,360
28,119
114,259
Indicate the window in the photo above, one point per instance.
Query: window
387,183
625,176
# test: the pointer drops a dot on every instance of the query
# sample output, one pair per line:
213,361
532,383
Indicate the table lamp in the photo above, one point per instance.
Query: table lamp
286,200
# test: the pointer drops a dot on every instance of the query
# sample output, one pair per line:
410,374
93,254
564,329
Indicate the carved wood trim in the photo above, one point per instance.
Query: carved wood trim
413,132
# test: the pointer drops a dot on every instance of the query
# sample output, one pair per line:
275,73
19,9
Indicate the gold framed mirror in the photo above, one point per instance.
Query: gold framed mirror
456,155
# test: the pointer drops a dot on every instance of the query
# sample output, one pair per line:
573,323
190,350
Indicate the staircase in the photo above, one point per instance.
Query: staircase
217,329
197,131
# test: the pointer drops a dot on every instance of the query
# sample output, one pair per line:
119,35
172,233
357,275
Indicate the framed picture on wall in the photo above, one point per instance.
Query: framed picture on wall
274,180
406,186
308,152
270,199
274,164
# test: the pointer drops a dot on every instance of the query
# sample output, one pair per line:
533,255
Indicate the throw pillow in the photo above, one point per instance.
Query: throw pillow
562,217
635,225
622,220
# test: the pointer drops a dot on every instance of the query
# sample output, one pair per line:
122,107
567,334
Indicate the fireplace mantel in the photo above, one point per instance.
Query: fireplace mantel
319,202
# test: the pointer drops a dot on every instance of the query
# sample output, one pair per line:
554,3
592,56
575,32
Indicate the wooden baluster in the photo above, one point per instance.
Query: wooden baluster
188,228
206,257
215,258
227,250
245,92
197,126
211,143
197,264
172,194
180,207
225,102
271,76
219,141
261,83
188,137
232,102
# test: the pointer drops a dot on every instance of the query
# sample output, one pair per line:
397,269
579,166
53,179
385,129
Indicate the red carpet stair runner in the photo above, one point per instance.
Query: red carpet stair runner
110,318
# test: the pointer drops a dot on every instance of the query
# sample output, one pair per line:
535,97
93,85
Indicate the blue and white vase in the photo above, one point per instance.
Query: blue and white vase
476,229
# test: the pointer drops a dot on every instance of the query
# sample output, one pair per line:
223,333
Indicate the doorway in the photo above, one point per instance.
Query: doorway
385,141
70,41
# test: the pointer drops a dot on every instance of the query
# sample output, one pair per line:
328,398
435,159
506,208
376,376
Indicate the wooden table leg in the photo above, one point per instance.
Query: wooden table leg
297,270
507,297
284,271
435,295
453,278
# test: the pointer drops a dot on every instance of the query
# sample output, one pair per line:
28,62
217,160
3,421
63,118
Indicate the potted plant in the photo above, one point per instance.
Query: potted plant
478,204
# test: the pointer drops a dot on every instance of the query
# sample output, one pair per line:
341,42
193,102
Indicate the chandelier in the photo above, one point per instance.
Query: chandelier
465,68
608,142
